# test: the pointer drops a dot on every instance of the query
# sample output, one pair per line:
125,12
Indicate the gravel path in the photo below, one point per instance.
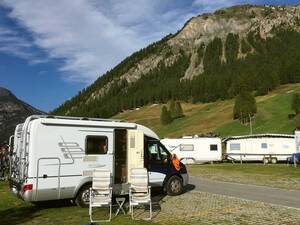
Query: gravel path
250,192
196,207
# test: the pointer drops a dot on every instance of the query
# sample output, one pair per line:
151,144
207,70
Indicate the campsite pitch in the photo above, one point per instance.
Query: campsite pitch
192,207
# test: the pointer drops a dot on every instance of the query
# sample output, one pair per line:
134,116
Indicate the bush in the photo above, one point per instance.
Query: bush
296,103
291,116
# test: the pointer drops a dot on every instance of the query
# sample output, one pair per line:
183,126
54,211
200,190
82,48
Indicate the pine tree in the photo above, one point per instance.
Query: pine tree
165,117
244,107
178,110
296,103
172,109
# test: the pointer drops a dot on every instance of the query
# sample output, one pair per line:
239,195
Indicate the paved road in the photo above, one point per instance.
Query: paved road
251,192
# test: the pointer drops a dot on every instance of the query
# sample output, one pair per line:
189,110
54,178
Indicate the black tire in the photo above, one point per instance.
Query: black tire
83,196
174,186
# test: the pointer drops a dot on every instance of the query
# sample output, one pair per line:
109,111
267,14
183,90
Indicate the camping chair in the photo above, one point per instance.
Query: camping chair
139,191
100,193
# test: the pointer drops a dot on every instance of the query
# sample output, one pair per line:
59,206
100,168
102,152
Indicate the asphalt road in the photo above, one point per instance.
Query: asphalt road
250,192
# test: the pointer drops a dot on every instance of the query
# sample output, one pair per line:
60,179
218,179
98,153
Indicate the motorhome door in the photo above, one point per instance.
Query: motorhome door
135,146
48,179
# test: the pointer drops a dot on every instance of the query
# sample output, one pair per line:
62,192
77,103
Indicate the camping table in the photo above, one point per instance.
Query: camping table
120,201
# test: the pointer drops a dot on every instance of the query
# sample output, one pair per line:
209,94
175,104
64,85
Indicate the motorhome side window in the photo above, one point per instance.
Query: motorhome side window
213,147
264,145
185,147
235,146
96,145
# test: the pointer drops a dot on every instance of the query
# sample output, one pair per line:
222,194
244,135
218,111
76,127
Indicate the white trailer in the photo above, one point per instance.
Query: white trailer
53,157
194,149
297,141
260,147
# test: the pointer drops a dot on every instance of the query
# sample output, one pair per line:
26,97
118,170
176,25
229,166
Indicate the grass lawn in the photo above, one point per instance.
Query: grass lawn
14,211
278,175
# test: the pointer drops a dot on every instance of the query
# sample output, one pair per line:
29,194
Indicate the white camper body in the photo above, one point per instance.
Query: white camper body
54,157
193,149
261,147
297,141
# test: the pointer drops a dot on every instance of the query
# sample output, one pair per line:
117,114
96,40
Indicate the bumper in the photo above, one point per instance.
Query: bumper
185,179
17,190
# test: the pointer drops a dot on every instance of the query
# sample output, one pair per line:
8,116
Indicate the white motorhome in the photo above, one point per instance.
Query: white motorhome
260,147
53,157
194,149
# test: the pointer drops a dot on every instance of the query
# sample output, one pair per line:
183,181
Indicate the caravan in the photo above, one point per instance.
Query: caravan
268,148
194,149
53,157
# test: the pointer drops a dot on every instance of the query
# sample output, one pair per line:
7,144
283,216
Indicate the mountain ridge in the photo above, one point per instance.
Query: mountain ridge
199,57
12,112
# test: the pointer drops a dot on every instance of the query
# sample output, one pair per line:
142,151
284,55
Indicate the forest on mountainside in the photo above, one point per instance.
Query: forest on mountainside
266,64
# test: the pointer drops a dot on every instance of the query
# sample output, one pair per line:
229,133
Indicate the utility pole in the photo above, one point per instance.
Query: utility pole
250,124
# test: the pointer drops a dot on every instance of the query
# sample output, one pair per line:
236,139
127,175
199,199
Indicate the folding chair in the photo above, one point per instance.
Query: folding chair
139,191
101,193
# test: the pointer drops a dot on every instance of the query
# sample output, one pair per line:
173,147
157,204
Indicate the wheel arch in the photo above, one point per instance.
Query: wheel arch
85,181
168,177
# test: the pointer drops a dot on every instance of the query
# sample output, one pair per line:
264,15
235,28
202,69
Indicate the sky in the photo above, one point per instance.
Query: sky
51,49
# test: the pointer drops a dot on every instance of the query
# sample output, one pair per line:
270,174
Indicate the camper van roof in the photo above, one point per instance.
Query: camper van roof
258,136
91,122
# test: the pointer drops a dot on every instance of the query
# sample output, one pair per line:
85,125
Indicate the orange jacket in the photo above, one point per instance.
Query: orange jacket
176,162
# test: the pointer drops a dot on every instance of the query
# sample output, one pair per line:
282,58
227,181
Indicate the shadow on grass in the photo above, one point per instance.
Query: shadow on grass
18,215
24,214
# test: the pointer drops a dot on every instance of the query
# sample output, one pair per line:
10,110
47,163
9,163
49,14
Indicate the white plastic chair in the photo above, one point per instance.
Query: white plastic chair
101,193
139,191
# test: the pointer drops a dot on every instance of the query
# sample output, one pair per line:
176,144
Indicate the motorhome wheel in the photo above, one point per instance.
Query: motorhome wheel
274,160
265,160
174,186
83,196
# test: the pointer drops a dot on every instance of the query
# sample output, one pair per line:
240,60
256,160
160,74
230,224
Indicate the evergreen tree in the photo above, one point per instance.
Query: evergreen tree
165,117
244,107
296,103
178,110
172,109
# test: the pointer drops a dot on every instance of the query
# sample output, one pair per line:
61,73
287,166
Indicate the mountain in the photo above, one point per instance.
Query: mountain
213,57
12,112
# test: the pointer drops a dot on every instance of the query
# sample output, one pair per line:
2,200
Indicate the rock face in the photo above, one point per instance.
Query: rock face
12,112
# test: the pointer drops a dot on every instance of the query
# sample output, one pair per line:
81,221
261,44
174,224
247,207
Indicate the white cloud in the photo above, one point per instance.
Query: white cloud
12,43
89,36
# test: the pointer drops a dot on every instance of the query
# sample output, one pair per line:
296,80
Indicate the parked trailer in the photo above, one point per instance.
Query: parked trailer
261,147
54,157
194,149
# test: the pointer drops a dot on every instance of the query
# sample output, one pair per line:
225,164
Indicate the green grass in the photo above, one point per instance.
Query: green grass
273,175
14,211
272,116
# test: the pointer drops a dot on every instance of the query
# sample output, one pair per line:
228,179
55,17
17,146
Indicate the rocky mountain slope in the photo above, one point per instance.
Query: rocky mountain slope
12,112
212,57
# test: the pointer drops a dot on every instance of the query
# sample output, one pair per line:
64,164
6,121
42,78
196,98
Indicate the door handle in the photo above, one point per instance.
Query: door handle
45,176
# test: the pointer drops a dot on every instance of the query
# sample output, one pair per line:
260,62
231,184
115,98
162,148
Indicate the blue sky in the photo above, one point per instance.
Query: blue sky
49,50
